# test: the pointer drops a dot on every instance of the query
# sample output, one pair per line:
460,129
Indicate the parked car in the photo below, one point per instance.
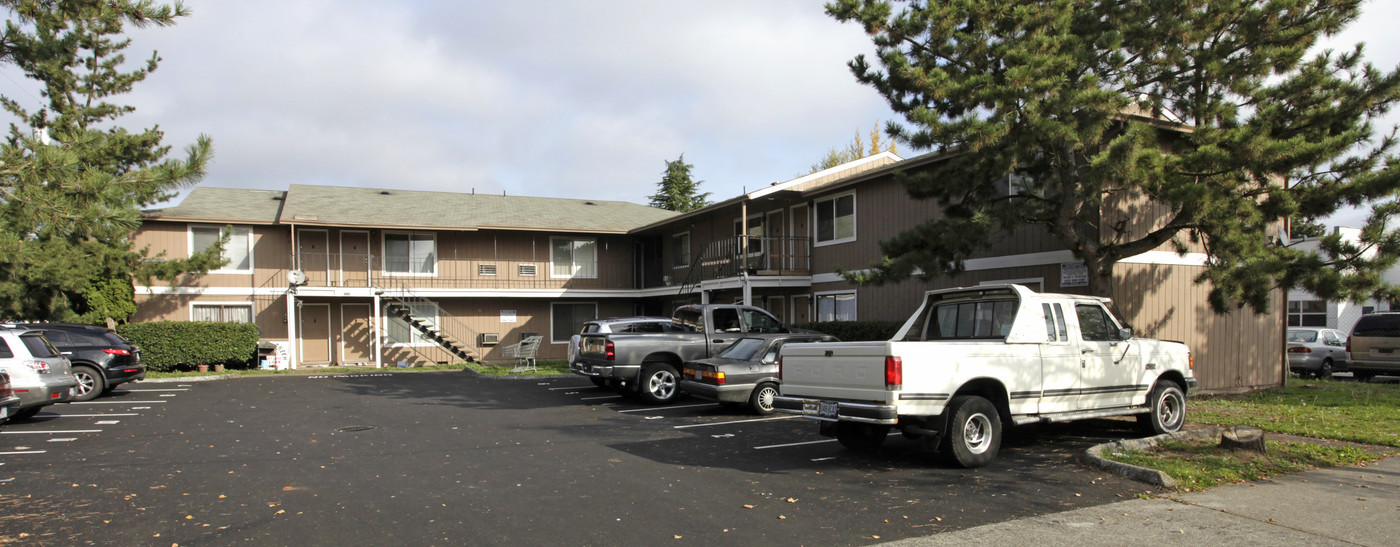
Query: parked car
1316,352
9,402
39,374
1373,349
745,373
101,359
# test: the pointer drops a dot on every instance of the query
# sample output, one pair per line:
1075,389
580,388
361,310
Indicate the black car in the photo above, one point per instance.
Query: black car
101,359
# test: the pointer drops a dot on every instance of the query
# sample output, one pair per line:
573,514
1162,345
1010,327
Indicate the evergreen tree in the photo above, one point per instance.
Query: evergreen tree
1126,126
73,182
676,190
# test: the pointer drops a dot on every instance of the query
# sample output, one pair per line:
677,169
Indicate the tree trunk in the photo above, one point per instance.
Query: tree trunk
1243,437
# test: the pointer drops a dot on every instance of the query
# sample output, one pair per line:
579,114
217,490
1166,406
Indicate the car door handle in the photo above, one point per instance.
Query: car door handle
717,340
1085,351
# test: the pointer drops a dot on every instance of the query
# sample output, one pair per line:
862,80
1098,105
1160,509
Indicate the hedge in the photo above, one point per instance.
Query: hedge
856,331
182,345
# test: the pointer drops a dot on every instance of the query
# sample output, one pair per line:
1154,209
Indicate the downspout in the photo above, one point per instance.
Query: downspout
378,339
744,249
293,334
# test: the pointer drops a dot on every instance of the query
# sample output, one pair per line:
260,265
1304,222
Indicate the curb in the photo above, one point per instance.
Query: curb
186,379
1094,455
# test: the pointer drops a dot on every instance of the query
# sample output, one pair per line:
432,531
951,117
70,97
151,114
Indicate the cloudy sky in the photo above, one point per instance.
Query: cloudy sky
543,98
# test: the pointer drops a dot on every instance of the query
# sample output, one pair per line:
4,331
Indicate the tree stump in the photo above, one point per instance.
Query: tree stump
1243,437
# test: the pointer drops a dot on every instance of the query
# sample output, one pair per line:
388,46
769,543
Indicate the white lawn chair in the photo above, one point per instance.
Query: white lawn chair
523,353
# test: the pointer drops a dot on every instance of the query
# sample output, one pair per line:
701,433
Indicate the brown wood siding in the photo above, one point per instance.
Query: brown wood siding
271,254
269,312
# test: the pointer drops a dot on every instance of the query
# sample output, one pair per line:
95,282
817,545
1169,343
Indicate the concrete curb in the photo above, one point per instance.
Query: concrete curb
1094,455
186,379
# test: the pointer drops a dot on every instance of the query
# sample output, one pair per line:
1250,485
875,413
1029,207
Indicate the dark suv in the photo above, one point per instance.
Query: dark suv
100,358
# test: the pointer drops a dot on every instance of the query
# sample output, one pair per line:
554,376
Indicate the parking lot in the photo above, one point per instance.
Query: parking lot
450,458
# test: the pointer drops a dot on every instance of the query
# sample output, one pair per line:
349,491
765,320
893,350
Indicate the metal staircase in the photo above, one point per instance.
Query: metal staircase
447,331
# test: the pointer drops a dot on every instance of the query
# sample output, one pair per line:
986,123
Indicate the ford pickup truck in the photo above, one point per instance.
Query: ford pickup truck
971,360
647,365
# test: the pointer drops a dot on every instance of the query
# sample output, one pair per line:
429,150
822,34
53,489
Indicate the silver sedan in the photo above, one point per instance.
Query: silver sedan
1316,352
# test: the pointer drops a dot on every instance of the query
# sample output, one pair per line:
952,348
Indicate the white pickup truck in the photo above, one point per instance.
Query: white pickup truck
973,359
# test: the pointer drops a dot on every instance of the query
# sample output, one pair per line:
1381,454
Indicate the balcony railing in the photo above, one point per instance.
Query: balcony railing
361,270
763,256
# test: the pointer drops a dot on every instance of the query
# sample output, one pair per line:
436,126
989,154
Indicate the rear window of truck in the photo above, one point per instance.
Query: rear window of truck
988,319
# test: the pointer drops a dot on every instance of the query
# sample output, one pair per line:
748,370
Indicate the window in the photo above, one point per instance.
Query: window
566,319
1095,324
1307,313
222,313
836,307
570,258
400,333
984,319
756,233
836,219
680,250
238,251
410,253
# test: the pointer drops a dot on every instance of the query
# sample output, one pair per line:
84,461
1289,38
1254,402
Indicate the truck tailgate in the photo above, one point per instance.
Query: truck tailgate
842,370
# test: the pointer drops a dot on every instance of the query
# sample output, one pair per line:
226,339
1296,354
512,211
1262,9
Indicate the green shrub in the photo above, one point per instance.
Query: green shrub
182,345
856,331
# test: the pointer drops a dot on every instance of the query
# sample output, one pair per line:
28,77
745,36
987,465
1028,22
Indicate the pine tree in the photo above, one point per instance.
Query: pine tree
676,190
1128,126
854,151
72,181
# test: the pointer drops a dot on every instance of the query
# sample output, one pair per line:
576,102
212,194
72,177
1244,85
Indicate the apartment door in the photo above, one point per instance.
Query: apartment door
356,334
802,245
313,258
777,306
801,309
778,248
315,334
354,259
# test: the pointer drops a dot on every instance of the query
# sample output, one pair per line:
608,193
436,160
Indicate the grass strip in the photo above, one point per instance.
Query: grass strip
1202,464
1325,409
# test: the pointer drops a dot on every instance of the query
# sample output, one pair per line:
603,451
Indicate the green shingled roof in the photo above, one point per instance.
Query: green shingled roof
344,206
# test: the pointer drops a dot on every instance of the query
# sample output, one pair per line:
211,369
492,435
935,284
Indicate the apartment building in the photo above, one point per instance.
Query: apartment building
375,277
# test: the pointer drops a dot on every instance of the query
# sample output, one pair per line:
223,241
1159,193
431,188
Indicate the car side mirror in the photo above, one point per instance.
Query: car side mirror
1125,333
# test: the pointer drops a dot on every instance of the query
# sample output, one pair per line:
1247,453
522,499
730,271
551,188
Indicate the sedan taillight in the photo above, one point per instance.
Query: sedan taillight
116,351
1299,349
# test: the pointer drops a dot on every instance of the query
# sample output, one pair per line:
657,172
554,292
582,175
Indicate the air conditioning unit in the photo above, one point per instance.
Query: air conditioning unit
490,338
486,269
525,270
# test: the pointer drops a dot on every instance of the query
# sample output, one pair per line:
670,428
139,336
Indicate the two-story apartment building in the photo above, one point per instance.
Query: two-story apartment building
479,270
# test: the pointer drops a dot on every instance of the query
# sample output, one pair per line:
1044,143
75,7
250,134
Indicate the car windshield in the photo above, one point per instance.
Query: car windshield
743,350
1302,336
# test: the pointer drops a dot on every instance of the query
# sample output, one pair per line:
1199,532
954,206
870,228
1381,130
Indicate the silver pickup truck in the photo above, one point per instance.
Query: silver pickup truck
648,365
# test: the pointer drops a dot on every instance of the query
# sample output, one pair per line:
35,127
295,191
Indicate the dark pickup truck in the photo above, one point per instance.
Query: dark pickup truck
648,364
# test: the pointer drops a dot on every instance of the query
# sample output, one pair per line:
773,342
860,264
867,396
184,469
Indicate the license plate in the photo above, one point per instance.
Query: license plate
828,409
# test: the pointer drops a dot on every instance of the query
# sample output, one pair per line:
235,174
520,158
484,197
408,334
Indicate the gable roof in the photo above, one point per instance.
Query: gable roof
406,209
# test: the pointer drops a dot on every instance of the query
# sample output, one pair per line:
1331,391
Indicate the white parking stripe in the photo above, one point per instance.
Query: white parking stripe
23,452
50,432
145,390
578,387
666,407
737,422
596,398
168,394
115,402
792,444
107,422
46,415
63,440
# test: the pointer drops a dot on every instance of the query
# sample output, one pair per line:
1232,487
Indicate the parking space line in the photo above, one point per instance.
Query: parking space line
23,452
666,407
595,398
793,444
737,422
169,394
50,432
115,402
145,390
46,415
578,387
107,422
63,440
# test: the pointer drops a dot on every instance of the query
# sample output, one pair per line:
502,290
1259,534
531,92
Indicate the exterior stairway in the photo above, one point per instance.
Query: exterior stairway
428,329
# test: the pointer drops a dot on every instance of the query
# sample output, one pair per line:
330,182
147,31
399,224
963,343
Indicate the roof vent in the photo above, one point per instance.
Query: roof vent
383,192
589,203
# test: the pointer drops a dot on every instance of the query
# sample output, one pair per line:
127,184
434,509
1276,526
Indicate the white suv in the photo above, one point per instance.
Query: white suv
39,374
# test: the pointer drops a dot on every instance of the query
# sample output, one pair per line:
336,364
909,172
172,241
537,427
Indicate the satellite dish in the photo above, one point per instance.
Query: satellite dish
296,277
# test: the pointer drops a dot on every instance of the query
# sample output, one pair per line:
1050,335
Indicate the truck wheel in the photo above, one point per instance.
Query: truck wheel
762,399
861,437
90,383
974,432
658,383
599,381
1167,409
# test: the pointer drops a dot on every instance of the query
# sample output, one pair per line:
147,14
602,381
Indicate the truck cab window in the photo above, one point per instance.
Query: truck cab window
1095,324
726,320
759,322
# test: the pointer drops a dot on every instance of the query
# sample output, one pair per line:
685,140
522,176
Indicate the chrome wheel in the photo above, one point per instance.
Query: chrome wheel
977,433
762,399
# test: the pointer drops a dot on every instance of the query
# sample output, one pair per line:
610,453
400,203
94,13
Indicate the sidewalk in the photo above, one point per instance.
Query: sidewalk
1337,506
